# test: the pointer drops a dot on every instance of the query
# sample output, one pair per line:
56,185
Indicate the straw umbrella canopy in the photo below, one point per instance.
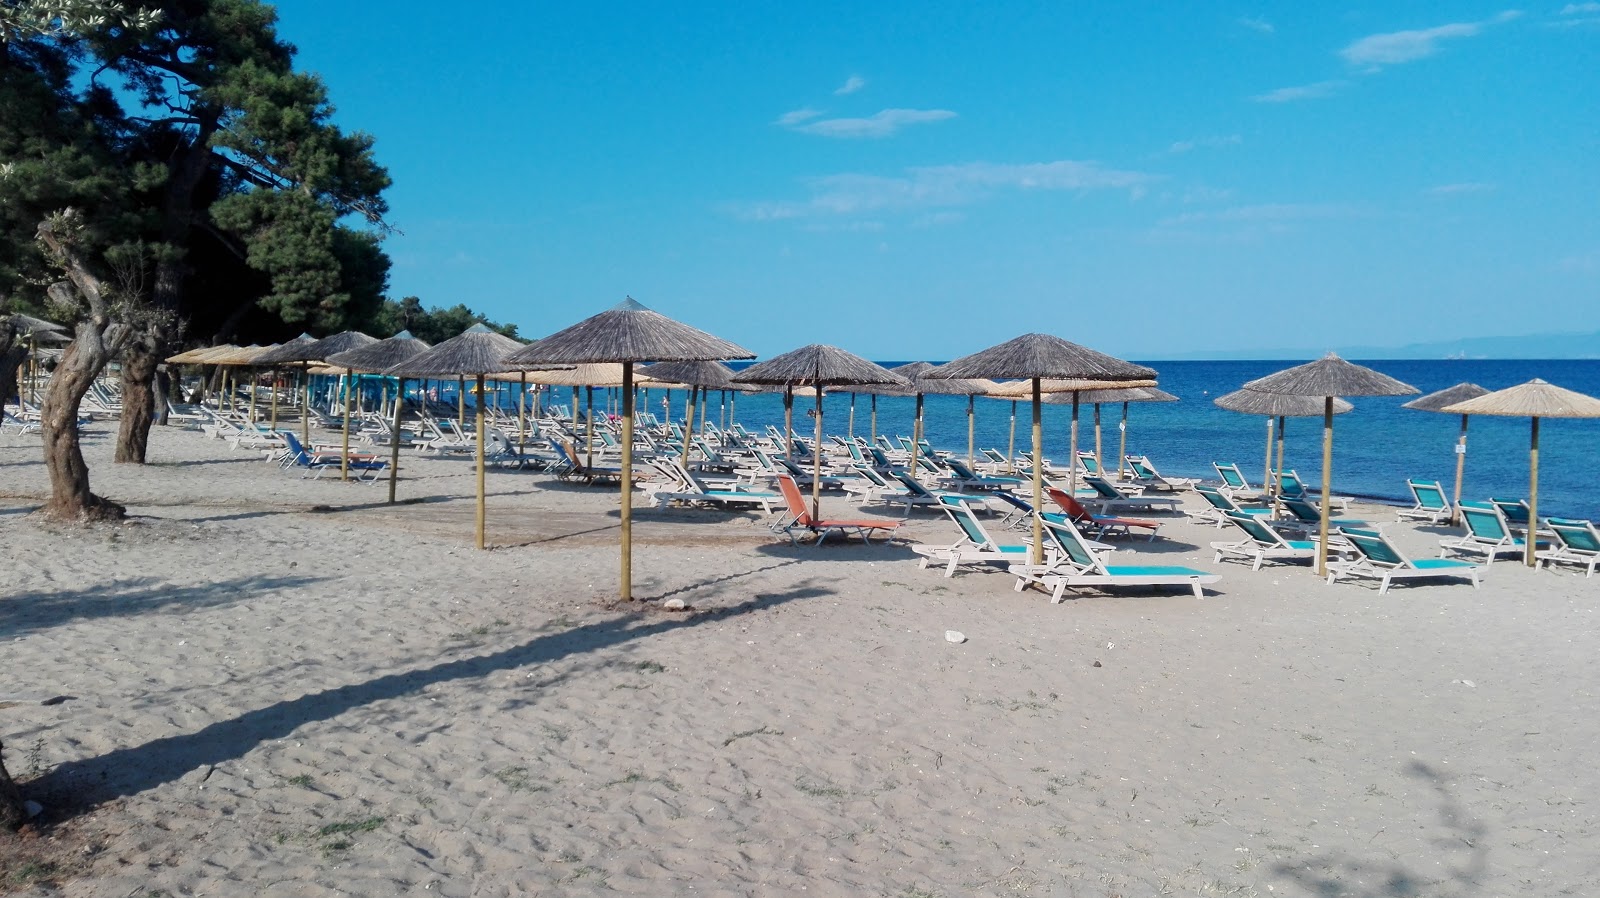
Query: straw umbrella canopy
697,376
1535,399
27,325
1436,402
594,374
1077,387
323,350
377,357
1329,377
1123,395
922,385
290,353
1035,358
477,351
1276,406
817,366
627,333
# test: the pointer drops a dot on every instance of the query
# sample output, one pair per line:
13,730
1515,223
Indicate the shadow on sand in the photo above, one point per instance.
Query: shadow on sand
23,613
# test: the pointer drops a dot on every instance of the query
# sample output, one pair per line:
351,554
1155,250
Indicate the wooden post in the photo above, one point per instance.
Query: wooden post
972,429
252,396
1038,478
873,437
788,421
1274,489
1327,485
1532,552
588,425
916,439
816,465
481,508
305,407
850,431
626,509
1461,464
1072,460
1011,443
461,400
349,396
1099,462
394,439
688,425
1266,474
1122,445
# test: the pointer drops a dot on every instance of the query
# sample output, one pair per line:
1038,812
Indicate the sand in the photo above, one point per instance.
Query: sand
265,698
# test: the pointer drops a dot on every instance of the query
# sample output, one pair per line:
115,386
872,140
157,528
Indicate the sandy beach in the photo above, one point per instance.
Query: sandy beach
263,685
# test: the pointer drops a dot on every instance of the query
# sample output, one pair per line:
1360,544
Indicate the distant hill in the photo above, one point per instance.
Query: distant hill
1530,346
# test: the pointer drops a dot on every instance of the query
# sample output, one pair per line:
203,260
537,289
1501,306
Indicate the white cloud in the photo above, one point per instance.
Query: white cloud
1461,188
1580,9
942,186
1257,23
850,86
1395,47
880,124
795,117
1205,143
1303,92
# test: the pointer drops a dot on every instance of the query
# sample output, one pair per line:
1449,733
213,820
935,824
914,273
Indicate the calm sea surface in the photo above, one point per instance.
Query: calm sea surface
1375,448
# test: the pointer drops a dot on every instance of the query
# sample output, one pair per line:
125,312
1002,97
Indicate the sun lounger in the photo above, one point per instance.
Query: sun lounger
1291,486
975,546
1262,544
1098,526
1220,504
799,519
1234,483
1577,542
1108,499
1077,566
1487,534
962,478
1146,475
1378,559
683,486
1304,515
1433,506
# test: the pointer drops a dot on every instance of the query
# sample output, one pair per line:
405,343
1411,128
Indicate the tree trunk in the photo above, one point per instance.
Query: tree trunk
10,358
163,385
70,498
138,400
12,813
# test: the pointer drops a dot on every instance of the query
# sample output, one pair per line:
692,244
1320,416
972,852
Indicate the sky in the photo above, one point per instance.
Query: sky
926,179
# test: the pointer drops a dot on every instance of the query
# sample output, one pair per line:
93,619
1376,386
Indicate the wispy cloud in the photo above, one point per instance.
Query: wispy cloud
1574,14
1265,213
850,86
880,124
1464,187
1257,23
942,186
1316,91
1580,9
1205,143
795,117
1394,47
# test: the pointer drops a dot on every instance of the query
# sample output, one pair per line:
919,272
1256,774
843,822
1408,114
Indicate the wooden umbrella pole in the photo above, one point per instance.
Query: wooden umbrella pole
252,396
481,509
461,401
522,415
1011,444
1038,478
588,426
1122,446
916,439
274,399
1461,465
305,406
626,509
688,425
972,429
1275,485
1266,473
349,395
873,438
816,465
1099,462
733,410
788,421
1072,454
394,439
1327,485
1532,552
850,431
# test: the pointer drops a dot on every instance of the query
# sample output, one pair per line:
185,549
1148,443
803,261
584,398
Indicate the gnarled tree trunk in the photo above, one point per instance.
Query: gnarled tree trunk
139,362
81,362
12,813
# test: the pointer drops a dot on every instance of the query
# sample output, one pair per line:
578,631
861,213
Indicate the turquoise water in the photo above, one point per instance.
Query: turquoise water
1376,446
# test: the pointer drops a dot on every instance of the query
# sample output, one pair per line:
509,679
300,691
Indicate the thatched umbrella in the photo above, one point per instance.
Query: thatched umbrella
1279,406
1078,388
477,351
381,356
1329,377
322,351
293,352
922,385
697,376
627,333
1123,395
35,329
1534,399
816,366
595,374
1035,357
1435,402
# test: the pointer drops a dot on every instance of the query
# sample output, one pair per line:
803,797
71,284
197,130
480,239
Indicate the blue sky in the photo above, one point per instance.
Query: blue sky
923,180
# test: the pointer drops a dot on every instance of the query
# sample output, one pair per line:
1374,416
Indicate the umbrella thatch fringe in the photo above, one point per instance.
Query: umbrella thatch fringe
1434,402
1331,376
628,332
1534,399
819,365
709,374
292,351
1284,405
381,355
1090,397
477,350
1042,355
599,374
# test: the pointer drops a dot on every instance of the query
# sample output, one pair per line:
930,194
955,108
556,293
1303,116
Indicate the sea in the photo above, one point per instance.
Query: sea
1376,447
